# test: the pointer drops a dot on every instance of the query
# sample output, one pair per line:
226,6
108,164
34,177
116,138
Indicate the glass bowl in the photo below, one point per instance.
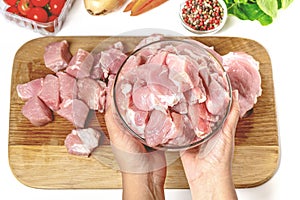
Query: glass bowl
203,18
172,94
47,28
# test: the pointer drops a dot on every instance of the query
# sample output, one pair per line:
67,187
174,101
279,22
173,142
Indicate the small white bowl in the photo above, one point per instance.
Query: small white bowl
210,31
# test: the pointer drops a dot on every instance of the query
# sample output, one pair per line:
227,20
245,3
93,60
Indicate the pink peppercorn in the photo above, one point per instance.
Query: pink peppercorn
202,15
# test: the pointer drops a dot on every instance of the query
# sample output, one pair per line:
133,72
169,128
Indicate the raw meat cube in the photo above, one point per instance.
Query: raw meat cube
181,72
37,112
111,60
97,71
74,110
182,133
30,89
82,142
67,86
92,92
81,64
159,58
137,119
50,92
198,116
157,128
57,55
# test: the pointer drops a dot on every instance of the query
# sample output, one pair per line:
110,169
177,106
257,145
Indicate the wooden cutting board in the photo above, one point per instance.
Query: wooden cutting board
38,158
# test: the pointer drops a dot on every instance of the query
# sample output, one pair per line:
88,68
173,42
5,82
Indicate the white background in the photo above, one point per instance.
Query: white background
281,39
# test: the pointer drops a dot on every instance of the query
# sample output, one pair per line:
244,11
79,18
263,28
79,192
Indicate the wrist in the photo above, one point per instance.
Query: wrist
213,186
142,186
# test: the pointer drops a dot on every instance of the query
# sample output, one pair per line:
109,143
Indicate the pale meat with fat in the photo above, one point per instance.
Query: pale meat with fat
67,86
92,92
81,64
57,55
74,110
158,126
37,112
50,92
111,60
30,89
243,71
82,142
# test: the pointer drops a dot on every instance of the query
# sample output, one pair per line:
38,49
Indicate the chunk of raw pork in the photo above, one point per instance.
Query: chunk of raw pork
30,89
137,119
97,70
111,60
183,133
158,126
50,92
81,64
82,142
57,55
199,121
92,92
153,89
37,112
74,110
243,71
67,86
181,72
217,98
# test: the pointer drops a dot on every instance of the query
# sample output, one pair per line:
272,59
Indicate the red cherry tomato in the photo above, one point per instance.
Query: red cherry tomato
39,3
11,2
52,18
38,14
55,6
13,9
24,6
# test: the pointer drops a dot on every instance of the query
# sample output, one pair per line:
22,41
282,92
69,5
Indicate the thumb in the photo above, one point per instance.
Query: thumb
233,117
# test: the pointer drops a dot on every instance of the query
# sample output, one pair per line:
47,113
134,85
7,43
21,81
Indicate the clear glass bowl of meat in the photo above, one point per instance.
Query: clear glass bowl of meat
172,94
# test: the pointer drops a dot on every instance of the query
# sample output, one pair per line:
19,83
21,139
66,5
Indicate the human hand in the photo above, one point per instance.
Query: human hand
142,169
208,167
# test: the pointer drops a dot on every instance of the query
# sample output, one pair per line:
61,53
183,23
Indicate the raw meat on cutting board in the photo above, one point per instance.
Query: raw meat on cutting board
243,72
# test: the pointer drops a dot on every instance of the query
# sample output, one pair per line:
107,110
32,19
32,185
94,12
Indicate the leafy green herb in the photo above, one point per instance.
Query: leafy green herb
263,11
285,3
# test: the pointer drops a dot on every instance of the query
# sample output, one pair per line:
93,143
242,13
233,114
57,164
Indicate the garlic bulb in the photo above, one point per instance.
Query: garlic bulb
101,7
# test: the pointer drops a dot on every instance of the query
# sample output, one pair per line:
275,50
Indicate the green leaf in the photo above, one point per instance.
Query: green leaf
265,19
261,10
246,11
279,4
235,10
240,1
268,6
285,3
252,11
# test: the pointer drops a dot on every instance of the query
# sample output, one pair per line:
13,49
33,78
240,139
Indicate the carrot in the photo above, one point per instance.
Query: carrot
142,6
129,6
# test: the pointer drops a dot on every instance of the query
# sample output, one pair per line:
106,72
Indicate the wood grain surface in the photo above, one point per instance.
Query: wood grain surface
38,157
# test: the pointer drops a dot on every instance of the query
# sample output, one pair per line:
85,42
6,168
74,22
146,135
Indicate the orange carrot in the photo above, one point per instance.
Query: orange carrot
145,5
129,5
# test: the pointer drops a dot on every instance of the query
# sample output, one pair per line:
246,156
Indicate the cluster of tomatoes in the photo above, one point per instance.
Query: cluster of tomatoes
37,10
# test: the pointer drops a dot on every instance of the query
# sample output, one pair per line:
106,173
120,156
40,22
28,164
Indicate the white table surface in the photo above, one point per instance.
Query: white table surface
281,39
